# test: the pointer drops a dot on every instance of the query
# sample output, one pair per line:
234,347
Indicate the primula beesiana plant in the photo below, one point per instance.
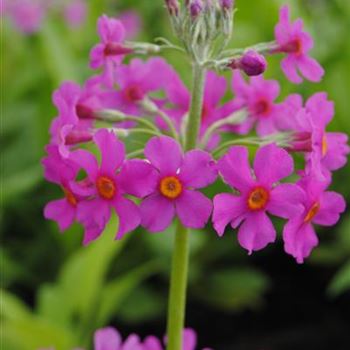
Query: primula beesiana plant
193,141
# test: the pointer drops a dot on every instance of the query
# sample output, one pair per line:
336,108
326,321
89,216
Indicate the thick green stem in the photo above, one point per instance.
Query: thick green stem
178,281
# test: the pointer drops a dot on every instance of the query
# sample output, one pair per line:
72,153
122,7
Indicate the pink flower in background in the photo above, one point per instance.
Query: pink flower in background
258,96
321,207
75,12
61,172
257,195
293,41
178,177
110,339
109,52
75,114
132,23
137,80
325,151
110,182
27,15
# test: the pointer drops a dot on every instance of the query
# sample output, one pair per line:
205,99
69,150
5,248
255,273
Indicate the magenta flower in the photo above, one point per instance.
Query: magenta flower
178,178
259,98
131,22
321,207
110,182
137,80
258,194
61,172
75,113
27,15
75,13
296,43
325,151
109,53
110,339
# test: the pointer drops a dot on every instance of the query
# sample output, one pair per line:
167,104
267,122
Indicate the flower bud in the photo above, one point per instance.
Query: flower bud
252,63
173,7
226,4
196,7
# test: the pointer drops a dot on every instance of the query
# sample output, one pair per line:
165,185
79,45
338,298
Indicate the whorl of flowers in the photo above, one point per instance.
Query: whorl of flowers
164,177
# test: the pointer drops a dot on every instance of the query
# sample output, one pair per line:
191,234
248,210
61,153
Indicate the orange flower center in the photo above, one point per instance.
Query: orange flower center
324,145
170,187
106,187
312,212
70,196
258,198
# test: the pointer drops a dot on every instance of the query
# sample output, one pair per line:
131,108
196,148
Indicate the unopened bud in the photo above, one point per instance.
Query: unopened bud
78,136
226,4
251,63
173,7
196,7
115,49
301,142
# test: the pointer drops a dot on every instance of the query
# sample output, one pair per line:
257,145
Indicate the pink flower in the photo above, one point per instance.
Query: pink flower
131,22
109,53
75,13
259,98
110,339
75,113
27,15
137,80
110,182
296,43
258,194
325,151
321,207
178,178
61,172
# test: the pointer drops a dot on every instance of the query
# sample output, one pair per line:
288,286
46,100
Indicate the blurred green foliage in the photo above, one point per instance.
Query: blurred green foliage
58,292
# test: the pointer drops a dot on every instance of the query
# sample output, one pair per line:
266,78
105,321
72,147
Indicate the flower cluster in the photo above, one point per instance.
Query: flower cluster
149,98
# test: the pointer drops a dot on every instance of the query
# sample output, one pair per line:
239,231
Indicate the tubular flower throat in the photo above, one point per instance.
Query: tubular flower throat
170,187
258,198
106,187
70,196
312,212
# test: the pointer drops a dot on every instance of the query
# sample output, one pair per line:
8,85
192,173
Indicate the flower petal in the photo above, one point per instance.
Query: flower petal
198,169
157,213
107,339
193,209
338,149
256,232
286,201
138,178
332,204
112,151
60,211
289,67
164,153
227,208
93,215
189,339
310,69
86,161
152,343
128,214
235,169
272,164
132,343
299,239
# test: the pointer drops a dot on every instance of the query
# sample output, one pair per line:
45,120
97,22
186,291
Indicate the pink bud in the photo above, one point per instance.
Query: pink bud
302,142
252,63
115,49
226,4
196,7
78,136
173,7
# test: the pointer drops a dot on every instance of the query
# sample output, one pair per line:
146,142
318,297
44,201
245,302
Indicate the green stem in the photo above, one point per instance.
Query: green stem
180,260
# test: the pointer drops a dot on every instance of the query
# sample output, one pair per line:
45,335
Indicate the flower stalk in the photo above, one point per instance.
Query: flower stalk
180,260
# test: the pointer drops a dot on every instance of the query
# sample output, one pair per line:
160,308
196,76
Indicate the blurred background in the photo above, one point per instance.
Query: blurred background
56,293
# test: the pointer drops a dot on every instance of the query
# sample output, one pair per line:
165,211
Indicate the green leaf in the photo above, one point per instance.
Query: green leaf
233,289
11,308
341,281
118,290
82,277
